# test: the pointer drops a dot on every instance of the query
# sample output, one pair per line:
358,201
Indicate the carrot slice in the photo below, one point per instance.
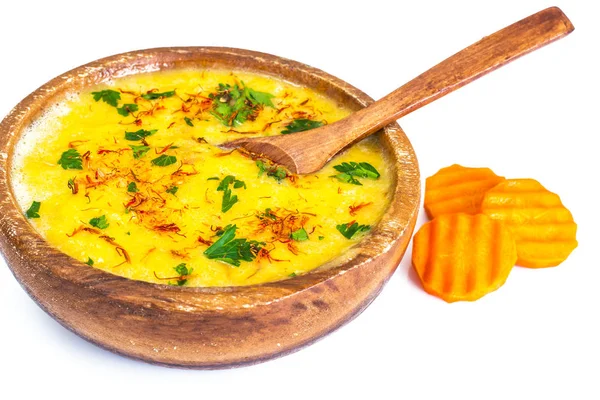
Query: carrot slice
462,256
543,227
458,189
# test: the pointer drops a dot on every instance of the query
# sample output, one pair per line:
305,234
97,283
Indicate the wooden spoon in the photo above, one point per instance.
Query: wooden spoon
309,151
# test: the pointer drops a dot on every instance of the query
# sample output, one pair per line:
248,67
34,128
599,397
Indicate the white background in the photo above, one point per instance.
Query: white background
537,337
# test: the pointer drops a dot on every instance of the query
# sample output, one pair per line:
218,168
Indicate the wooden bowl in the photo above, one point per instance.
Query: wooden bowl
203,327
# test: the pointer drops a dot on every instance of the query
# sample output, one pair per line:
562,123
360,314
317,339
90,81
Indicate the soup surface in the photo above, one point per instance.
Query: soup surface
127,177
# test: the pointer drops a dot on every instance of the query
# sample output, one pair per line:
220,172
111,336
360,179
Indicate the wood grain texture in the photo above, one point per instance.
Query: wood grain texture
203,327
309,151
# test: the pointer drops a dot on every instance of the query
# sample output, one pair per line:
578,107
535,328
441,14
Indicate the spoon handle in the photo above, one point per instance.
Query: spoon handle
480,58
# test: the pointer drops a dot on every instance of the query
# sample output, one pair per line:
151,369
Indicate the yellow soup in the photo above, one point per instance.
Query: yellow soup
127,178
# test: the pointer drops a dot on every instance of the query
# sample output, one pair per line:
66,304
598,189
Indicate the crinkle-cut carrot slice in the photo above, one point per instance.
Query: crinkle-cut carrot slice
543,227
458,189
462,256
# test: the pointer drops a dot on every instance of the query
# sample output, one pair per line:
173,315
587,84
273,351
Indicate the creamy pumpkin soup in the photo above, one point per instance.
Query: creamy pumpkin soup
127,177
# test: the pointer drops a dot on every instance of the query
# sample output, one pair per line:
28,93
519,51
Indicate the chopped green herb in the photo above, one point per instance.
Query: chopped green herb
156,95
139,135
183,272
72,185
233,105
351,230
268,214
34,209
292,275
348,172
90,262
239,184
347,178
188,121
228,199
127,109
231,250
99,222
279,174
132,187
70,159
276,172
139,151
299,235
225,183
301,125
164,160
213,178
321,237
262,167
110,97
128,233
260,97
182,269
173,189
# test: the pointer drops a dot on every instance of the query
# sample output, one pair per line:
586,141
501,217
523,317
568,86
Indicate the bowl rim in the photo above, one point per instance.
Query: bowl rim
18,233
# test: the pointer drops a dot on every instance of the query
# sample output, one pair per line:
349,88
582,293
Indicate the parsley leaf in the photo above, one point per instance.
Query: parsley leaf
233,105
213,178
260,97
99,222
132,187
173,189
262,167
127,109
188,121
350,230
267,214
156,95
70,159
363,169
90,262
110,97
228,180
34,209
301,125
276,172
139,151
299,235
139,135
225,183
183,271
228,199
348,172
231,250
344,177
164,160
